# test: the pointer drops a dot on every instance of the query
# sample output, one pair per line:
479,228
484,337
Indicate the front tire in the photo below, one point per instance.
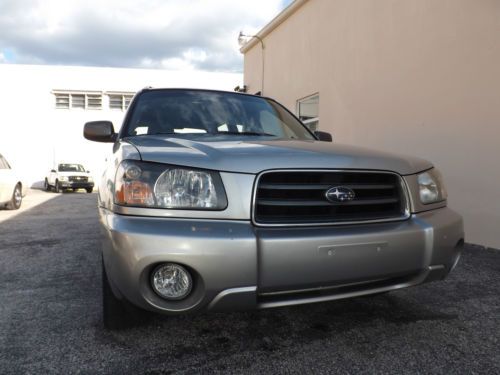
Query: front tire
57,188
89,190
114,312
46,185
17,198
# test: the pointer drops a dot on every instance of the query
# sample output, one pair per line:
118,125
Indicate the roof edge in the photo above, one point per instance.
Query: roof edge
275,22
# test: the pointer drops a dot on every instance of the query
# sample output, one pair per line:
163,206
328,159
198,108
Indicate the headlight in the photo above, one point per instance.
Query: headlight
156,185
431,187
185,188
63,178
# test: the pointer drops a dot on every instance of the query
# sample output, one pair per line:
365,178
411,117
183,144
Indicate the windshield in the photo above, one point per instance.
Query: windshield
211,113
70,168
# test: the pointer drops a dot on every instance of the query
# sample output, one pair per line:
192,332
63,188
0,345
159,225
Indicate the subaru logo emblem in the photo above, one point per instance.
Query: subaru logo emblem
339,194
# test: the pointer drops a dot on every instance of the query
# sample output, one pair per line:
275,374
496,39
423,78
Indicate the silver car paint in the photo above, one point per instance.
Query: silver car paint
121,151
235,262
254,155
238,188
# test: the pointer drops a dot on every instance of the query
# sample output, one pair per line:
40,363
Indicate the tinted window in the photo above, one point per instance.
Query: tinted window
70,168
208,112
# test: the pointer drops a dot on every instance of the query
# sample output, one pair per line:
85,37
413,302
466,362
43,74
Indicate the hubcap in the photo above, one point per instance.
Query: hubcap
17,196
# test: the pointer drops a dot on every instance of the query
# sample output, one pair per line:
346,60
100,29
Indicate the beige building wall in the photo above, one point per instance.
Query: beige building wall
419,77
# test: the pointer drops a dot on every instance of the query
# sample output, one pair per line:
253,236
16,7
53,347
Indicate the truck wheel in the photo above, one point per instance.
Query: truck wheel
16,200
89,190
114,311
57,188
46,185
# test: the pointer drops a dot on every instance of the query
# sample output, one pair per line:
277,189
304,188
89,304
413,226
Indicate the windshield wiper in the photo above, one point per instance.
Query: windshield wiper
246,133
217,133
168,133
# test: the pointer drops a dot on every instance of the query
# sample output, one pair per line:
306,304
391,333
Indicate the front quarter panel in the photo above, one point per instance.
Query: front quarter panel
121,150
8,181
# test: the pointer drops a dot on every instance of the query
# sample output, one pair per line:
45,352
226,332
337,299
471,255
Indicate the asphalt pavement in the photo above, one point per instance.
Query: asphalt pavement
33,198
50,316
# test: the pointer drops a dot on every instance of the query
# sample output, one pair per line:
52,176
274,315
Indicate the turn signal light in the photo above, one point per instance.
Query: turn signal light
134,193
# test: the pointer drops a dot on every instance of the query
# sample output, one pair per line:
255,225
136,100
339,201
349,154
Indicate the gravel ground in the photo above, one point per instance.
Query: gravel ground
50,316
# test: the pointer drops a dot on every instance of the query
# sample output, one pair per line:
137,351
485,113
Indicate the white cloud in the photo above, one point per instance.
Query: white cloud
196,34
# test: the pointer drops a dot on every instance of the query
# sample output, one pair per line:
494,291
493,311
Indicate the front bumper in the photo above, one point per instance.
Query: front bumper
237,266
75,185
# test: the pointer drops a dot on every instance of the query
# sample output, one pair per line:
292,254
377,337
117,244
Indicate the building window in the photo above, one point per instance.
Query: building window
120,101
78,100
127,99
116,102
308,111
94,101
62,100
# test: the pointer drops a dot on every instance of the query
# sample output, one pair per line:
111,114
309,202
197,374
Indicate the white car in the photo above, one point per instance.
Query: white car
69,177
12,189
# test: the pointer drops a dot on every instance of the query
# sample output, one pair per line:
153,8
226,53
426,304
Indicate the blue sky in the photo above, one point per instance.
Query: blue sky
168,34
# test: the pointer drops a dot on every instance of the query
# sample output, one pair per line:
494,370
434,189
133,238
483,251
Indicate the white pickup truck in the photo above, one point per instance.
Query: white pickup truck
69,177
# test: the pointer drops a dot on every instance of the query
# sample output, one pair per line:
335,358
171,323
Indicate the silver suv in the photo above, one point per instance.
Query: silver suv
225,201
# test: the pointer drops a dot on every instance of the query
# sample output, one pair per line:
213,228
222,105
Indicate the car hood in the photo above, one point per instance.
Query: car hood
253,155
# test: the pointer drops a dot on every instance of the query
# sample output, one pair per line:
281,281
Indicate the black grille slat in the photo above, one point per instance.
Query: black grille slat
299,197
294,186
323,186
268,202
78,178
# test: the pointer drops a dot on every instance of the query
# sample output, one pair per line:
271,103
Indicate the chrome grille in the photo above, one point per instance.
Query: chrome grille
299,197
78,178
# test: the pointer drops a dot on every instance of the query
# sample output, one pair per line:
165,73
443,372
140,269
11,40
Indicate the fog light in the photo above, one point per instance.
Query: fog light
171,281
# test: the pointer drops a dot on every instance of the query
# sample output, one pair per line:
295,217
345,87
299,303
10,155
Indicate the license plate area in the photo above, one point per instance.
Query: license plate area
294,259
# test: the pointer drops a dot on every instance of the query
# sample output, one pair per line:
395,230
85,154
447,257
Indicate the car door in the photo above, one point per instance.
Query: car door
52,177
6,186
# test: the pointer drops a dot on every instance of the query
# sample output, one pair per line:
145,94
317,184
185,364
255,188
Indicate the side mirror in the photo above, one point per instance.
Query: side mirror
323,136
52,171
99,131
88,171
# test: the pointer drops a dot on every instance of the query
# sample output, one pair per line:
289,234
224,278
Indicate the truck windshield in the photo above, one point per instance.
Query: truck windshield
70,168
205,113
